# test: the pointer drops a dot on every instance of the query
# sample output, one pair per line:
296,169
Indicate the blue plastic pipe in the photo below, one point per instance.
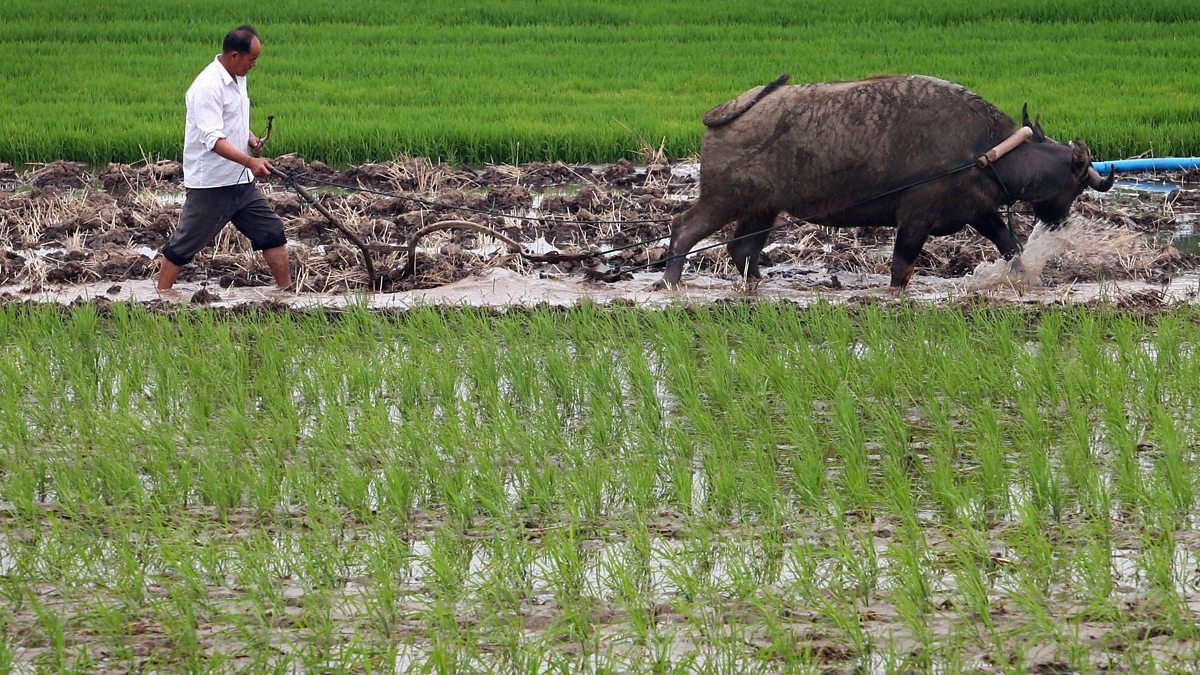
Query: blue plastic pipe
1149,164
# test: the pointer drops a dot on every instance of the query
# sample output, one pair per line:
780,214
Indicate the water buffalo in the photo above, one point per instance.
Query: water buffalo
835,153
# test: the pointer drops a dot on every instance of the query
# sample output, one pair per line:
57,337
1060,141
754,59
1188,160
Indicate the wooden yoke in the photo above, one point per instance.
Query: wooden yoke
1006,146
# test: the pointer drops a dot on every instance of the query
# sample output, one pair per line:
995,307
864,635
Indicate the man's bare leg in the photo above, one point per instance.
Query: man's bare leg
277,261
167,273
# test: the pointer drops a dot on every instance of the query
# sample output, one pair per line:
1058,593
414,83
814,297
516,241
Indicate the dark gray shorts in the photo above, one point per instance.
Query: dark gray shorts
205,212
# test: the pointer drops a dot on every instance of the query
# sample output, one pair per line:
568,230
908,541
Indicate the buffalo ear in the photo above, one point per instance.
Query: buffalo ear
1081,156
1039,136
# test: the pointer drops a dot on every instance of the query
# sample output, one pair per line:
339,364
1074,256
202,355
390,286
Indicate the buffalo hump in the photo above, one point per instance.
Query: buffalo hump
731,110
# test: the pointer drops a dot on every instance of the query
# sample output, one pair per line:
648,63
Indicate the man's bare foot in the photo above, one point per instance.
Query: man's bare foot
280,293
171,294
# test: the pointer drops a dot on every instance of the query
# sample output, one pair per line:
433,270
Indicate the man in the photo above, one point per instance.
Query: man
218,173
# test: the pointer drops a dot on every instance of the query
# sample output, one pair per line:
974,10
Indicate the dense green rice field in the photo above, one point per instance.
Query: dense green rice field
737,488
499,81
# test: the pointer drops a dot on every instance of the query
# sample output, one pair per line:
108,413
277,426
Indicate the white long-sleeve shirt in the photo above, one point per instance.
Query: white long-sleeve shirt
217,107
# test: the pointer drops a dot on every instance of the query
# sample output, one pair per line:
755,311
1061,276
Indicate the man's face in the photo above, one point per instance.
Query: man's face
240,63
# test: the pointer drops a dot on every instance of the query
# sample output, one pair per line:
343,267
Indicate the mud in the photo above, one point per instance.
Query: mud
60,175
66,231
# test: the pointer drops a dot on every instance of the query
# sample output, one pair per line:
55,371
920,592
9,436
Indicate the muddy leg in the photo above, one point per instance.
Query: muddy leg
909,240
993,227
167,274
277,262
687,229
748,241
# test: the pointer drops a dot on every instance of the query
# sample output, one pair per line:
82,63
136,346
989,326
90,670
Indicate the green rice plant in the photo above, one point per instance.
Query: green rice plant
1157,561
1080,466
54,634
566,574
1094,568
648,506
218,486
899,495
972,571
910,594
487,489
585,493
862,560
688,567
1034,441
25,486
639,474
1034,570
684,486
1175,467
382,557
944,454
1122,432
806,459
840,611
630,581
724,489
178,615
990,447
852,450
764,499
265,601
316,619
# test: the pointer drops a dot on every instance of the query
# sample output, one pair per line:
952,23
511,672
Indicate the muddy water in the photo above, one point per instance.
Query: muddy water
501,287
1081,236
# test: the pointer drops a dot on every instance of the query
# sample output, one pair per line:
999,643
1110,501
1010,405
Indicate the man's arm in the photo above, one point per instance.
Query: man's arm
206,107
258,166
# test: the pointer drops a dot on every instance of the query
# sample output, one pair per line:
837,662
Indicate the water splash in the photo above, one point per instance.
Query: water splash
1078,237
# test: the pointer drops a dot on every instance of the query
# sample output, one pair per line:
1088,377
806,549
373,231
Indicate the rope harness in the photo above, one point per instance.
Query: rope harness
312,201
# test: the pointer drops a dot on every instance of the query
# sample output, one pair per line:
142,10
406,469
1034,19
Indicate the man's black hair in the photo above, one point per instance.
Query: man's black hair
239,39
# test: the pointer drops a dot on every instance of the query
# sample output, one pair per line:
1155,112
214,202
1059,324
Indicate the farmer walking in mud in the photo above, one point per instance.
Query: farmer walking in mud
219,171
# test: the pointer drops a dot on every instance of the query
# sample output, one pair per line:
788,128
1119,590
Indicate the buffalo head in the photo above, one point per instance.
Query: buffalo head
1050,175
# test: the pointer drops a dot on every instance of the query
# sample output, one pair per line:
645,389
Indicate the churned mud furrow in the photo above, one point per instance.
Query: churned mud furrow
69,231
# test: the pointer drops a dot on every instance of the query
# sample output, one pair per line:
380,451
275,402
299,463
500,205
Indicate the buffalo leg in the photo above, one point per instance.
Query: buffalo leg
909,241
993,227
749,238
687,229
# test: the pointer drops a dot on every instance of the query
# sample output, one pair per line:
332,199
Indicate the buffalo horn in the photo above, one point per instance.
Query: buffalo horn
1095,182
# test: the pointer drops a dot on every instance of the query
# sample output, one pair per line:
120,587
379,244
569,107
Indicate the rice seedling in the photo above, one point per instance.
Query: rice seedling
754,486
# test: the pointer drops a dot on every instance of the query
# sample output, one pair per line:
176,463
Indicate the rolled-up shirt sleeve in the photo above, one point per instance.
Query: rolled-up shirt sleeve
206,109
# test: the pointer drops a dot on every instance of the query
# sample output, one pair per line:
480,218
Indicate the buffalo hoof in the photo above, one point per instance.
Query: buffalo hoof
750,284
664,285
